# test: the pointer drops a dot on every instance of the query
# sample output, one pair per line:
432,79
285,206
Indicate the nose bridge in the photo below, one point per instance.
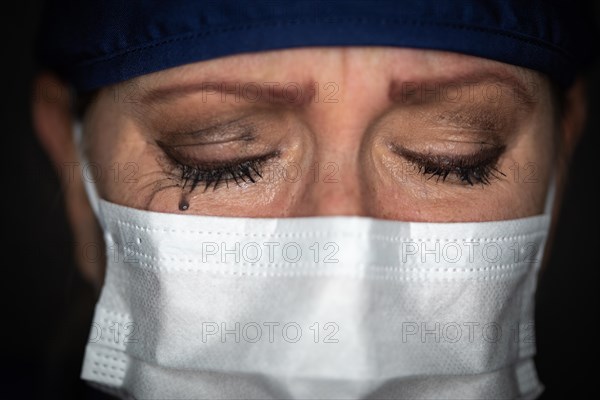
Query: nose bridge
337,191
336,183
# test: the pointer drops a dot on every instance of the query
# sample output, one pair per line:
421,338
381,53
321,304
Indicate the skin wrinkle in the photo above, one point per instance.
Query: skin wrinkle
348,141
477,120
474,119
235,130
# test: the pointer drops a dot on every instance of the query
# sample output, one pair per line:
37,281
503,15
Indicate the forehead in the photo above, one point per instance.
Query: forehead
381,75
340,64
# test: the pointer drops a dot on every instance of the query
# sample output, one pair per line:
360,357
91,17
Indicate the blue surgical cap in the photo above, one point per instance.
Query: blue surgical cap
94,44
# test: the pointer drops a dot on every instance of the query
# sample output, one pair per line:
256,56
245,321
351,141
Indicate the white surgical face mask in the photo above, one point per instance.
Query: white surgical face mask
314,308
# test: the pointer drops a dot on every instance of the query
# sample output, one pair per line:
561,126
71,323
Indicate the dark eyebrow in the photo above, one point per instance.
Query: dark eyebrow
427,91
267,92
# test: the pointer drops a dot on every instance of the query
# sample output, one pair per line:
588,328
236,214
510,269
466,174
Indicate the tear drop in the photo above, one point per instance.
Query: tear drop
184,205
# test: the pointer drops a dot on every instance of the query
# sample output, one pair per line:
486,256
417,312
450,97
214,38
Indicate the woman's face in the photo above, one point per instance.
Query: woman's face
388,133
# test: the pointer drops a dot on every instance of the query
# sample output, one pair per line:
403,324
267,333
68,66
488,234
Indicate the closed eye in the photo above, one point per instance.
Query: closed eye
470,169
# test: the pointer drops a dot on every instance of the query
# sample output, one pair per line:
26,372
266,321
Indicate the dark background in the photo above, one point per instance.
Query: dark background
49,307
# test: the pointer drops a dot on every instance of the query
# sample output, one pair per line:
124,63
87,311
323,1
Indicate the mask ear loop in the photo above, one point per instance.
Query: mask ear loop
550,196
90,185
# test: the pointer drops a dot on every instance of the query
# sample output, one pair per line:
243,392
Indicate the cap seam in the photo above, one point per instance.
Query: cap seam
524,38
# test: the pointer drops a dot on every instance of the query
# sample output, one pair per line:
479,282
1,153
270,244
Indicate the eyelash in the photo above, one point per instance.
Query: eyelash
215,175
482,174
469,170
